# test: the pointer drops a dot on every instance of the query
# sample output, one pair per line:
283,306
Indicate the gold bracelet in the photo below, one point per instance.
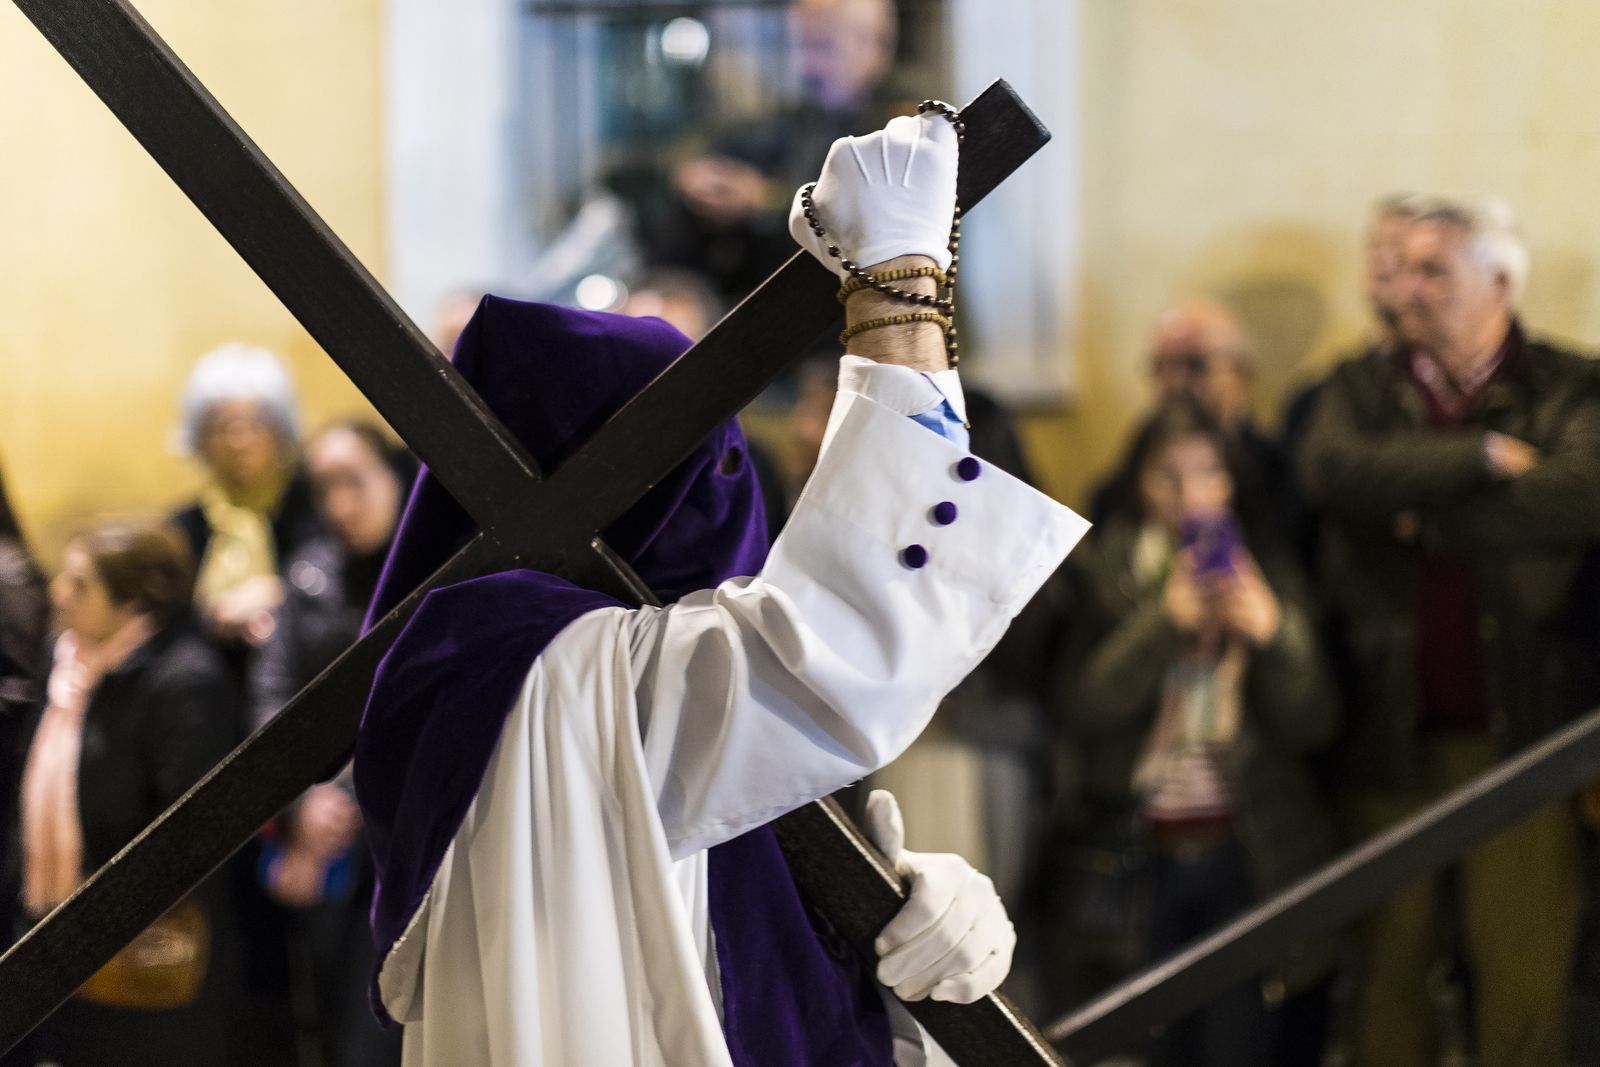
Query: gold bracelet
899,274
903,319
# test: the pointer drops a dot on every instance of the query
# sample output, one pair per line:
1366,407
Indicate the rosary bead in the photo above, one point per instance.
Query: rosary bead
863,279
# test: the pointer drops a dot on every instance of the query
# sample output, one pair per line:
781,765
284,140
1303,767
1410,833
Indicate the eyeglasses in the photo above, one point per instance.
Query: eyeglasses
225,427
1188,364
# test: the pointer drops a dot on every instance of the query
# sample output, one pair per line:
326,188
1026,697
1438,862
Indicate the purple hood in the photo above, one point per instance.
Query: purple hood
445,688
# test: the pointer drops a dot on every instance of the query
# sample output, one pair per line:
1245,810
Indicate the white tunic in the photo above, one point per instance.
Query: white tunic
568,922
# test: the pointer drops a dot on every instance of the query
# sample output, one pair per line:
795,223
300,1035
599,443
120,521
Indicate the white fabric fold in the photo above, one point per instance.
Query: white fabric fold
568,923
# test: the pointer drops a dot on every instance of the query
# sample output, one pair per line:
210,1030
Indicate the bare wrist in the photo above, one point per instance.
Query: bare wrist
918,345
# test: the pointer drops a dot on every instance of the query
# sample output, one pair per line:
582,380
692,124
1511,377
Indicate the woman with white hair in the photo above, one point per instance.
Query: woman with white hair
252,513
240,419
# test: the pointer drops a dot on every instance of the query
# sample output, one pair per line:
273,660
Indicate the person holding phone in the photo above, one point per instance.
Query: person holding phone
1193,685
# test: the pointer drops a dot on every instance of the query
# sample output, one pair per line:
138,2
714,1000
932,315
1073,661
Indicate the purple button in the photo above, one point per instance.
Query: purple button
944,512
914,556
968,469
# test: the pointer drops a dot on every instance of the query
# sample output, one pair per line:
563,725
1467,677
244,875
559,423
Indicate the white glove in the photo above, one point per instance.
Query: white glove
952,940
890,193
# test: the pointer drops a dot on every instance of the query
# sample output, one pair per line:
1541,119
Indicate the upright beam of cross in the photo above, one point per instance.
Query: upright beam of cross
523,520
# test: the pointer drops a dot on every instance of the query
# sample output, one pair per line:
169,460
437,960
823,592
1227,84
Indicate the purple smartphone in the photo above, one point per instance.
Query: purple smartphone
1214,541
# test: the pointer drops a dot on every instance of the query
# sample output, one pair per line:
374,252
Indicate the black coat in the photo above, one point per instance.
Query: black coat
325,598
1370,454
326,595
24,662
153,727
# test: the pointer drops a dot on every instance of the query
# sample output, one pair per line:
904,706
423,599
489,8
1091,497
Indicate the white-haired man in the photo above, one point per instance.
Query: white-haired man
1457,473
1387,229
1388,222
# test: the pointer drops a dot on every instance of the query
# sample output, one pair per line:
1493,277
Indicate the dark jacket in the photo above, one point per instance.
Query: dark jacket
1109,684
24,665
786,145
1370,456
325,597
24,620
153,727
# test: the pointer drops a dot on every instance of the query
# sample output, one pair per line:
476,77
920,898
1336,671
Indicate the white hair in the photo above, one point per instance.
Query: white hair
1397,206
237,371
1491,227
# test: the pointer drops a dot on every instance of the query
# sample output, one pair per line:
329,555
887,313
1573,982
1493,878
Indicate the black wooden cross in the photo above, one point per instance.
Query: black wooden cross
524,520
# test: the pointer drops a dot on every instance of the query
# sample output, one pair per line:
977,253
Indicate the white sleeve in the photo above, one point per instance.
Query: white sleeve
769,692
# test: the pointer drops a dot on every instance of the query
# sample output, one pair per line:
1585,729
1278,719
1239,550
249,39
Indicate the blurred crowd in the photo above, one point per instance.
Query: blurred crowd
170,641
1278,641
1273,648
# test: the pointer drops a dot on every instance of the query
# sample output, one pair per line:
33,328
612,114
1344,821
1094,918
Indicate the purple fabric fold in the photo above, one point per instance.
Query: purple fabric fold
445,688
440,699
793,992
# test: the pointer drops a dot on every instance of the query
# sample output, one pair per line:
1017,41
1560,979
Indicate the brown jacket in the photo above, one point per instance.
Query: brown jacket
1370,457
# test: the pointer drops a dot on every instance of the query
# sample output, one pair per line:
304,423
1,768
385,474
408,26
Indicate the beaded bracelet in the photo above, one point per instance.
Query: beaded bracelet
903,319
899,274
945,304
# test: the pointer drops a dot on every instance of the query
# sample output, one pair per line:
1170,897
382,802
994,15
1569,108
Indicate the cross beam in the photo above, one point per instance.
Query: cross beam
1321,903
523,520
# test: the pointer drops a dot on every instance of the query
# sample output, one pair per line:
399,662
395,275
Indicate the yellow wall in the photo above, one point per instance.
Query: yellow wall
1231,147
111,283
